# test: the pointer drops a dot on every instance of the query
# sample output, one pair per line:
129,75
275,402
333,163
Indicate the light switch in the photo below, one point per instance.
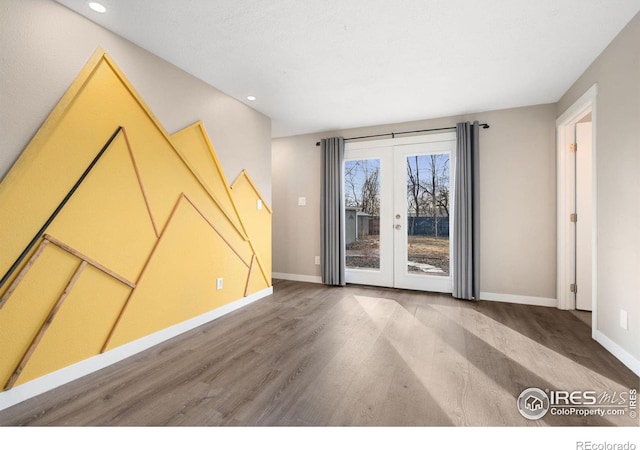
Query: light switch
259,205
302,201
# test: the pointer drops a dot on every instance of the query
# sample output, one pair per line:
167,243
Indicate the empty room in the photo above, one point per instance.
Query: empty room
320,214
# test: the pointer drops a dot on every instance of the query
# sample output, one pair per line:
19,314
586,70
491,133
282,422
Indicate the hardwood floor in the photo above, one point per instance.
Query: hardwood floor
311,355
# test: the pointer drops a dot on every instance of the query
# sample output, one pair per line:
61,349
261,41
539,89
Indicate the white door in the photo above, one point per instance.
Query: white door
367,175
398,195
423,197
583,203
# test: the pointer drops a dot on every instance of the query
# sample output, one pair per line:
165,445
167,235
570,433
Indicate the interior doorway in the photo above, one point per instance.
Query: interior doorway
576,149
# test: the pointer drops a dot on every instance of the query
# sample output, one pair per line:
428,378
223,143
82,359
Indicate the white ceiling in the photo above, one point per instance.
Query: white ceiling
320,65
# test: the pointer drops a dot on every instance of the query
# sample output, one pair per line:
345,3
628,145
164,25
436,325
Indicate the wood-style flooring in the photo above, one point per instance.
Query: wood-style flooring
311,355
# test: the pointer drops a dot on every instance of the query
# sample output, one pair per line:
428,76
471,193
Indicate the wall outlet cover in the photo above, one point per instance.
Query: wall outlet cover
624,319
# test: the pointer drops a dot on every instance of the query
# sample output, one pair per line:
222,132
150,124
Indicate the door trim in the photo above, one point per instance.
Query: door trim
393,142
565,190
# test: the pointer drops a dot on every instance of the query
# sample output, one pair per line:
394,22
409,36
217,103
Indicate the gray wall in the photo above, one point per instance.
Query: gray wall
296,229
43,46
617,122
518,195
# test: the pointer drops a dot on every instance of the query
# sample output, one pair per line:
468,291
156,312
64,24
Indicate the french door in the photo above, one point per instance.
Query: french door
398,199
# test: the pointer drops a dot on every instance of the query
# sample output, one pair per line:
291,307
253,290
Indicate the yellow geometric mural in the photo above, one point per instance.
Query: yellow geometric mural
112,230
255,216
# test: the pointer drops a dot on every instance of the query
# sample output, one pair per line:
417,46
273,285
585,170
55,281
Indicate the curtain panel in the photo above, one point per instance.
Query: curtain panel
332,259
466,236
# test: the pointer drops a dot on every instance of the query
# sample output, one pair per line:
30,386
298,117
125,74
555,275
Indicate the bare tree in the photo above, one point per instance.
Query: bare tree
371,193
428,188
362,186
443,189
350,184
434,187
414,191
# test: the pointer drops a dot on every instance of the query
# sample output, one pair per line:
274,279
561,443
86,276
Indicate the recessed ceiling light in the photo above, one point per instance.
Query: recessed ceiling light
251,98
97,7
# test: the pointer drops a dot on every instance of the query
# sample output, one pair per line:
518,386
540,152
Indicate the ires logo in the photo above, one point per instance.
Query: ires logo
573,398
591,398
534,403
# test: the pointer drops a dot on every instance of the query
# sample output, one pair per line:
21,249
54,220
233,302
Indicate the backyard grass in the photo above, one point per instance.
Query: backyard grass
431,250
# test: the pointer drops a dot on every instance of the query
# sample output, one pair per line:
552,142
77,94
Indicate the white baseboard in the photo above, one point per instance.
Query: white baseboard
624,356
295,277
519,299
55,379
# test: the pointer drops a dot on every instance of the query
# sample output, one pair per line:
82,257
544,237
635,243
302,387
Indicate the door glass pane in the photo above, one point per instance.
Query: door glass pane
428,214
362,215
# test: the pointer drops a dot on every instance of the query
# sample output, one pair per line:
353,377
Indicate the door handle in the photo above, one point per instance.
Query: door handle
398,226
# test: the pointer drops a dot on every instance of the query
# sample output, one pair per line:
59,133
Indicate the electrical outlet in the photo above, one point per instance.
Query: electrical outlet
259,205
302,201
317,260
624,320
219,284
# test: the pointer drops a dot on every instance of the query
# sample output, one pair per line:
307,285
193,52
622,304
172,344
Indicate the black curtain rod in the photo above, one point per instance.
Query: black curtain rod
393,135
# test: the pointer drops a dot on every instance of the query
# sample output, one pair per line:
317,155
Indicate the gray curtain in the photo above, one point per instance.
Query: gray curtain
466,236
332,260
